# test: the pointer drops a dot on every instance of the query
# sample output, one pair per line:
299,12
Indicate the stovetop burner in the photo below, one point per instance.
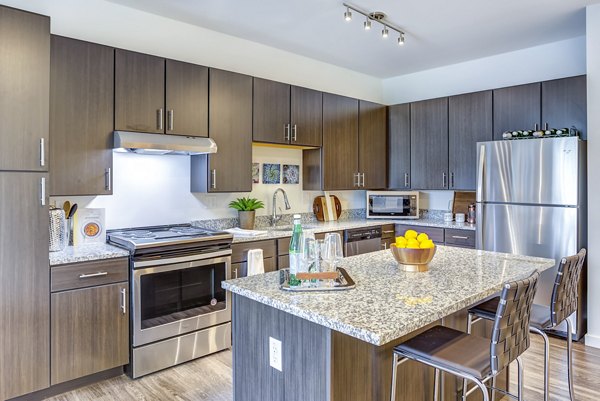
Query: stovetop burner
189,230
136,234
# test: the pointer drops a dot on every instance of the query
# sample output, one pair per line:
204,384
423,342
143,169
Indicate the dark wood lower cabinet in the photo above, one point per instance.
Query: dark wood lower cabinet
89,331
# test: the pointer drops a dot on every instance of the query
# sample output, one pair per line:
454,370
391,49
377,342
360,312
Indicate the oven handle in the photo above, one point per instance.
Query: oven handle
191,258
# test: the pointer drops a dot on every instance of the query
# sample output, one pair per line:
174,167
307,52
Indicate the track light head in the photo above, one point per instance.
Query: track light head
401,39
348,15
367,24
385,32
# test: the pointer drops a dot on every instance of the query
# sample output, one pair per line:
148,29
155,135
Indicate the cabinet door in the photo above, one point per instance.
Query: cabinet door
271,115
186,99
230,125
139,92
399,146
340,142
470,121
516,108
306,116
89,331
24,88
81,117
429,144
24,285
564,104
372,145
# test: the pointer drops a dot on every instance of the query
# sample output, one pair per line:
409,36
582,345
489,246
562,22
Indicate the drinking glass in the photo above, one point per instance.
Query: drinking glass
332,251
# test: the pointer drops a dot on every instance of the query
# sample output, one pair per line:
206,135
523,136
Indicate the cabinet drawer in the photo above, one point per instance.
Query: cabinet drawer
89,274
283,262
241,269
388,231
240,251
283,246
434,233
464,238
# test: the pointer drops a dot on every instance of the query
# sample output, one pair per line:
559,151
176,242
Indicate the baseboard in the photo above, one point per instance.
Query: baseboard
592,341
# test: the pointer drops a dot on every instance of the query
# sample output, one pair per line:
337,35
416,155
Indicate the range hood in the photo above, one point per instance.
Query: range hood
162,144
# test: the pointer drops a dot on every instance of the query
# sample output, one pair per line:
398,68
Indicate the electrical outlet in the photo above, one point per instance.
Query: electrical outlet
275,354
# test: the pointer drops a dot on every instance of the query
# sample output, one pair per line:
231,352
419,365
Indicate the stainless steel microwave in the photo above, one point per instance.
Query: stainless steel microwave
392,204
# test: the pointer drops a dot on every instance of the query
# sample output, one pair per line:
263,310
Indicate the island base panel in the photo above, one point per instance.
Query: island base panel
320,364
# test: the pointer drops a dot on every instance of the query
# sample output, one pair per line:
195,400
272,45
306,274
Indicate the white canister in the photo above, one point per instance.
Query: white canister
460,217
448,217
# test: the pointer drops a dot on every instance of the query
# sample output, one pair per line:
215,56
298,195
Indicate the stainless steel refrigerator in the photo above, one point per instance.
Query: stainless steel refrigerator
531,200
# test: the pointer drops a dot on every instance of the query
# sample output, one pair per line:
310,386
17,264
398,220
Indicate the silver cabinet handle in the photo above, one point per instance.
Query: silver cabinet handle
286,132
42,152
443,180
159,114
91,275
363,180
294,133
236,273
451,180
356,179
43,191
124,301
459,237
546,127
107,177
213,179
406,183
384,245
389,232
535,126
170,118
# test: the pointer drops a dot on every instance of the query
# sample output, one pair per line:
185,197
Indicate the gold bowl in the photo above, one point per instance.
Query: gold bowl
413,260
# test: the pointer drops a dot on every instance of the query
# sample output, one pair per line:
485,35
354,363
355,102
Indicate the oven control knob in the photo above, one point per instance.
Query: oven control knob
213,302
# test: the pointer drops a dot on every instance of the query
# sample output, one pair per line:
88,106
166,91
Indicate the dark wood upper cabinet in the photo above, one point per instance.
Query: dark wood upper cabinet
564,104
271,114
517,108
399,146
340,142
470,121
230,125
81,117
306,117
24,285
429,144
372,145
186,99
24,88
139,92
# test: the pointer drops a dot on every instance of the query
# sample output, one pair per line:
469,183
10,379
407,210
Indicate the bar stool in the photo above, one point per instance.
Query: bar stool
471,357
563,304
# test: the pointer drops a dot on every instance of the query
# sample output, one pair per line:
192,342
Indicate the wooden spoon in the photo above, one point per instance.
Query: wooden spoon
67,207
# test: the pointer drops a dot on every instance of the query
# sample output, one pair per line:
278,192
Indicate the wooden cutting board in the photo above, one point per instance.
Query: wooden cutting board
320,208
462,200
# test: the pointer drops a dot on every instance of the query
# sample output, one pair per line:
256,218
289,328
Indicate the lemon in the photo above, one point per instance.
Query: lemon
422,237
412,242
401,240
410,234
401,245
413,245
427,244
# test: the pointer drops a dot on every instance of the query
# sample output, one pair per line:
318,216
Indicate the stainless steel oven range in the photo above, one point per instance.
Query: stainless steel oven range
179,311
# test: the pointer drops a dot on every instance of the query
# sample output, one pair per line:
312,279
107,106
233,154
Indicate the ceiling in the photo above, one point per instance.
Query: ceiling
438,32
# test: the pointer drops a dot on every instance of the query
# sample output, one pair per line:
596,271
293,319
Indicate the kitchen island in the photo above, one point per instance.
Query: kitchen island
338,346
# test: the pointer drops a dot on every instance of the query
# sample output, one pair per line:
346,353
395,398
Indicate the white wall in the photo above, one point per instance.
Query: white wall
108,23
593,103
154,190
551,61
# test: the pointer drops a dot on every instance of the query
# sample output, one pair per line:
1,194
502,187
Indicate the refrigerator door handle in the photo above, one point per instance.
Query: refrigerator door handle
480,168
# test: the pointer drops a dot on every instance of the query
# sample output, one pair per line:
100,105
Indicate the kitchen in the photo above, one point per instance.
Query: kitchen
100,80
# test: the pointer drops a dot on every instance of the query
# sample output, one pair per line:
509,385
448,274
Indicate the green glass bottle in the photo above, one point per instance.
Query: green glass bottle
296,251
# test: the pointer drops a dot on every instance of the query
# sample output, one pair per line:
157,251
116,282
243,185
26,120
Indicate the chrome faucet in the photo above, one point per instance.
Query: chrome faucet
275,218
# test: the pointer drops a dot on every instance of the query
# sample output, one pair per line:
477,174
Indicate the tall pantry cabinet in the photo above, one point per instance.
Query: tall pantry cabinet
24,267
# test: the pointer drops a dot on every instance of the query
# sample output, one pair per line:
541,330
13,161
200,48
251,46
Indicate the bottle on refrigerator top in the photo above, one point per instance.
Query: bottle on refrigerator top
296,251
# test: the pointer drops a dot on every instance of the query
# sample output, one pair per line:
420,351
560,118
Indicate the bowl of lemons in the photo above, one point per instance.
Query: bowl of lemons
413,251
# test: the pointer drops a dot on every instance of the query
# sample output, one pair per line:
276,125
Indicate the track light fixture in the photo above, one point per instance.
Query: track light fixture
376,16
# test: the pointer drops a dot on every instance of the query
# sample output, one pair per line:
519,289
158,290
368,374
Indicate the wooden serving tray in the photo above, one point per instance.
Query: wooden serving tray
341,282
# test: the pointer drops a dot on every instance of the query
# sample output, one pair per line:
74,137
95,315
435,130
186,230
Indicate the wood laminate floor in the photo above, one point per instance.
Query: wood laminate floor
209,379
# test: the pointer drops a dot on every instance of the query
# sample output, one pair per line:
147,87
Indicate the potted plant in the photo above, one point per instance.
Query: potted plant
246,208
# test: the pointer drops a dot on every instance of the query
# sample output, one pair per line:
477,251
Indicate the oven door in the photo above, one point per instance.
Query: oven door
179,295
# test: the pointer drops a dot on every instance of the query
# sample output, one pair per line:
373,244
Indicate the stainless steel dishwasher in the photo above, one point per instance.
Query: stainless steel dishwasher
362,240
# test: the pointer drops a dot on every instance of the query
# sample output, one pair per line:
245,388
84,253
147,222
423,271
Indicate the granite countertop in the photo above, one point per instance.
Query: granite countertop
388,303
319,227
86,253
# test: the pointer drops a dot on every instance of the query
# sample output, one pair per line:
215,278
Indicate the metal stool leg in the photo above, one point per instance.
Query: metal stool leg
570,358
395,360
484,390
546,360
464,389
493,396
520,378
436,385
